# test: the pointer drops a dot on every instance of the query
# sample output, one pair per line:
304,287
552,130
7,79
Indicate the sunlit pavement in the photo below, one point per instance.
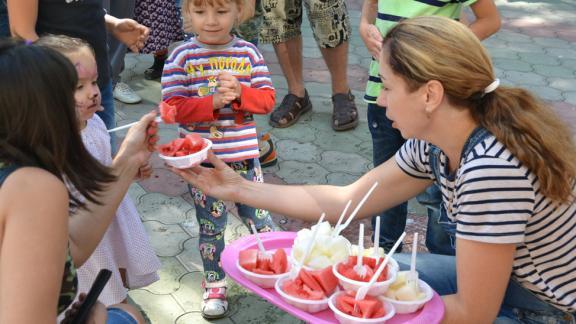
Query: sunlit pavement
535,49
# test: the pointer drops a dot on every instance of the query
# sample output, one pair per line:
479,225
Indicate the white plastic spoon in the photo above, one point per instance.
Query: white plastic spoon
359,268
361,293
355,211
341,217
376,252
260,245
412,276
158,119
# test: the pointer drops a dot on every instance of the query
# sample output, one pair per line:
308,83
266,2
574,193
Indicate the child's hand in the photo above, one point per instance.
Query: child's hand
372,38
229,86
219,100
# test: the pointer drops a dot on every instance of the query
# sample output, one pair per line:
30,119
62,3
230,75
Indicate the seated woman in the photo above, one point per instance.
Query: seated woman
40,150
505,163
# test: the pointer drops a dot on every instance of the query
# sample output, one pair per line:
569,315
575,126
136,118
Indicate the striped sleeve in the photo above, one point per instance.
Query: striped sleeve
260,75
412,158
175,81
494,200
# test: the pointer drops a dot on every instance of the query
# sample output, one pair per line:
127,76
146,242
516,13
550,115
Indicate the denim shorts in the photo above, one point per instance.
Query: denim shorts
119,316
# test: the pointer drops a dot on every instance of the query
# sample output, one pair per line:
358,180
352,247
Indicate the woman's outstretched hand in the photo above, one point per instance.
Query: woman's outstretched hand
220,181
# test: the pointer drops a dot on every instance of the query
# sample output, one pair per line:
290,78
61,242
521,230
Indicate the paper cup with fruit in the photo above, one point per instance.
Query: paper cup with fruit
262,270
368,310
309,291
406,296
350,280
183,153
326,250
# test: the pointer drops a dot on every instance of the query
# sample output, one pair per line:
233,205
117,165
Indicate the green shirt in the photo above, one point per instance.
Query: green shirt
390,12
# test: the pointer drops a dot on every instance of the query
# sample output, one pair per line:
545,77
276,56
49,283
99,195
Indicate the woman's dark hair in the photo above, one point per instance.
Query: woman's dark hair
38,123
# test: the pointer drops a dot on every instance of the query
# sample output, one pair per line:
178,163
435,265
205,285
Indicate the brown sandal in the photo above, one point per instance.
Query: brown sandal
345,113
290,110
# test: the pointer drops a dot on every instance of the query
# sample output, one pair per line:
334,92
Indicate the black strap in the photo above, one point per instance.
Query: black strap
5,171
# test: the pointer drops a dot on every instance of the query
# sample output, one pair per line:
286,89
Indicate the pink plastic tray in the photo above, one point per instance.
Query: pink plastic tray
431,313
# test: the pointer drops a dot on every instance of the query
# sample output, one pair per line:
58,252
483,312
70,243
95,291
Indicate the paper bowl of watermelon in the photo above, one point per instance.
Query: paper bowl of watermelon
183,153
408,297
350,280
261,270
309,291
369,310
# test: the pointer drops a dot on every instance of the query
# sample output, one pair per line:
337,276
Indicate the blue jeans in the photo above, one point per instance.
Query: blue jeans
386,140
119,316
4,26
519,305
108,114
212,218
438,240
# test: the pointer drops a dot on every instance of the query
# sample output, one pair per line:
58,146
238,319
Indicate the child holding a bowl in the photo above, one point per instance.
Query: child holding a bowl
216,81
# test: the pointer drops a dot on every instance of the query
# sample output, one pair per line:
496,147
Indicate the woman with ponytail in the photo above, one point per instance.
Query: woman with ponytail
504,162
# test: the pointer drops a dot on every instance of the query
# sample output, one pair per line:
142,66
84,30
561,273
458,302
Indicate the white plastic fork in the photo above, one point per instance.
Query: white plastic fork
361,293
296,269
355,211
265,253
158,119
341,218
359,268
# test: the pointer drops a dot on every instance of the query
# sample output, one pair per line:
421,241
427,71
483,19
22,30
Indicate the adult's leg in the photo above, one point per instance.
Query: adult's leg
289,55
336,59
519,304
281,27
438,271
386,141
438,240
331,35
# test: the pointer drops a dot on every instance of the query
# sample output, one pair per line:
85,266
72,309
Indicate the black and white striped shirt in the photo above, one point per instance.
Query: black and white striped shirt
495,199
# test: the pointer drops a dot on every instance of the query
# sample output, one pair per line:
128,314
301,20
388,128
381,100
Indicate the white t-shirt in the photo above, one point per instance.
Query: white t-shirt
493,198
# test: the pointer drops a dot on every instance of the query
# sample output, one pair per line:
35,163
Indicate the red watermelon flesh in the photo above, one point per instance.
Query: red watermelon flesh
347,269
279,261
297,288
168,113
190,144
253,260
248,259
326,279
310,281
369,307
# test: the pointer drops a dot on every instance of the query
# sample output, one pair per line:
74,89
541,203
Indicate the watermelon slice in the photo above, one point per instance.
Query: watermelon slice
279,261
253,260
190,144
347,269
248,259
168,113
326,279
369,307
309,281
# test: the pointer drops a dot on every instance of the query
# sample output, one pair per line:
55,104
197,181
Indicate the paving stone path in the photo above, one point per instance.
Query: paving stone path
536,49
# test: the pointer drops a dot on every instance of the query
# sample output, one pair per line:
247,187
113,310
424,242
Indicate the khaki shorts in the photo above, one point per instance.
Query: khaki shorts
282,20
